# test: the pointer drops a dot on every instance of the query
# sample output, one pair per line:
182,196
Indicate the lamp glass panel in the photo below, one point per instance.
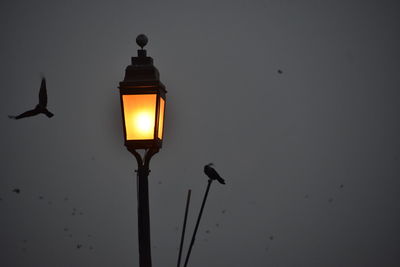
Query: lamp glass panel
161,118
139,114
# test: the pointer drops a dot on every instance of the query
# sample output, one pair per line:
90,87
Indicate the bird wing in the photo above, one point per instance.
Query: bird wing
221,180
28,113
212,173
43,94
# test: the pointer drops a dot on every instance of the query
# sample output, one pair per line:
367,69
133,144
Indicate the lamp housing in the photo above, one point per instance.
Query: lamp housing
142,97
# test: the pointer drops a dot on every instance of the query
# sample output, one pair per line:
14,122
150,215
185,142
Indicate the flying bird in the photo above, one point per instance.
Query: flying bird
212,173
40,108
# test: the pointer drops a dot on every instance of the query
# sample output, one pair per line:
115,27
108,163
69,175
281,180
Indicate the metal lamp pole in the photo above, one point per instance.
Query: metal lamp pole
143,205
142,97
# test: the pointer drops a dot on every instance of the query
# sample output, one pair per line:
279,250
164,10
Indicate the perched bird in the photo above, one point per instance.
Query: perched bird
212,173
40,108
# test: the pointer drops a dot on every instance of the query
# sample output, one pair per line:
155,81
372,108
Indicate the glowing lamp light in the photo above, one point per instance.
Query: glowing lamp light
143,104
140,116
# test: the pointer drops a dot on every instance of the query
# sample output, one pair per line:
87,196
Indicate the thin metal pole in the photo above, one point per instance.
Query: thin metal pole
197,223
144,218
143,205
184,227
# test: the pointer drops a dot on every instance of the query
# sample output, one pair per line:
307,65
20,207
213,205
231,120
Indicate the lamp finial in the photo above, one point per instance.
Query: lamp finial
141,40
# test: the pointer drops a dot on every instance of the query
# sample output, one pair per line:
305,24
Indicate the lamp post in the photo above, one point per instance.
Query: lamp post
143,105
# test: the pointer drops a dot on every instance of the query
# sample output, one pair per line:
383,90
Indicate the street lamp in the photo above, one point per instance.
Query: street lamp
143,105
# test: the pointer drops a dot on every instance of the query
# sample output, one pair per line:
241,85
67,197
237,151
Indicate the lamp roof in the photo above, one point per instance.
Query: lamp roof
141,71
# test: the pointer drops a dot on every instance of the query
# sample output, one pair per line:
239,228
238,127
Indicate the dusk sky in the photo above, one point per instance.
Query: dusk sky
297,104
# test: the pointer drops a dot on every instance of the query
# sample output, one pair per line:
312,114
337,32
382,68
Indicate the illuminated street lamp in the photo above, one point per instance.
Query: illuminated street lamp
143,106
142,102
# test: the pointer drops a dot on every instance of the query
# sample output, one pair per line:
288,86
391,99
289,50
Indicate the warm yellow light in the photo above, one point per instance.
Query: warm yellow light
161,118
144,122
139,114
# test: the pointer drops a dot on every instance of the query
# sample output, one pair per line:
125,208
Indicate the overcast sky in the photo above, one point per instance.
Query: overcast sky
310,155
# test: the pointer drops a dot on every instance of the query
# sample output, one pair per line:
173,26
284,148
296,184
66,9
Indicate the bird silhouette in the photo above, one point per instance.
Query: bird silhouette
17,190
212,173
40,108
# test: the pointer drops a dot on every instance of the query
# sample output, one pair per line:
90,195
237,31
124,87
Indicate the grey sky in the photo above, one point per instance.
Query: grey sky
283,142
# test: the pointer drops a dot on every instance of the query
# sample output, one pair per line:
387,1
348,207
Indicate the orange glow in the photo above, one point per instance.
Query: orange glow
139,114
161,118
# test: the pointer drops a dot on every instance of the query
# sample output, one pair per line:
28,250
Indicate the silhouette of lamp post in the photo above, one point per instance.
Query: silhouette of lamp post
143,106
